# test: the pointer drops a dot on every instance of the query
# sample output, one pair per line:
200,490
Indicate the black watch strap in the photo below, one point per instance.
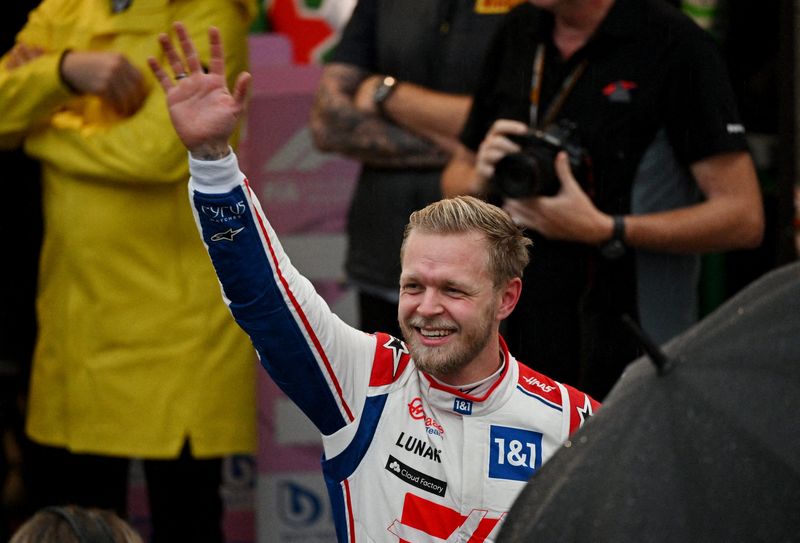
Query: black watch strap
615,247
383,91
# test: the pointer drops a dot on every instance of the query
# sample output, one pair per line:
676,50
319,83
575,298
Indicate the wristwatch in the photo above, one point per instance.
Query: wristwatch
615,247
383,91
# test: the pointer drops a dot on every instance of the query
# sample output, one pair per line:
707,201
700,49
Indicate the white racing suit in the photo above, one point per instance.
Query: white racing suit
406,458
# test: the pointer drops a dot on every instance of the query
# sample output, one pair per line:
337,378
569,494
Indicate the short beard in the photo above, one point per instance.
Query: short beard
434,362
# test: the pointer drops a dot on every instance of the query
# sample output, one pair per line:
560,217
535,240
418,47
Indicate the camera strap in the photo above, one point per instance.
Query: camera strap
536,89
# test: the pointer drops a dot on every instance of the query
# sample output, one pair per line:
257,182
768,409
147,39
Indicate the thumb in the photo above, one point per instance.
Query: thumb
240,88
564,171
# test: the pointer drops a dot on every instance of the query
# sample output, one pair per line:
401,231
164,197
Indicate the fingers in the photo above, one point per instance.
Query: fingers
123,85
496,145
240,87
173,58
22,54
189,52
188,63
507,126
488,156
522,212
126,91
161,76
175,61
564,171
14,59
217,62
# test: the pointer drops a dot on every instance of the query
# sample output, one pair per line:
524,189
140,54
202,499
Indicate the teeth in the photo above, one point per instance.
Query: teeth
434,333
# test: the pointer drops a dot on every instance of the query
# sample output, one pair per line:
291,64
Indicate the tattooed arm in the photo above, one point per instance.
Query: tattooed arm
344,120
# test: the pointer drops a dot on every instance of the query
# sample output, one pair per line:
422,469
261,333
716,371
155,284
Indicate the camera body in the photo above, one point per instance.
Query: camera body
531,171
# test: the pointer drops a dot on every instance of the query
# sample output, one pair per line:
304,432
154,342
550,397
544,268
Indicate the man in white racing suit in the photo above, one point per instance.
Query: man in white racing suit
425,440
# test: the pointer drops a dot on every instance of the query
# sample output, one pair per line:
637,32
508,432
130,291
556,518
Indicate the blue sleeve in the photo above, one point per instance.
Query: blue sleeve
271,301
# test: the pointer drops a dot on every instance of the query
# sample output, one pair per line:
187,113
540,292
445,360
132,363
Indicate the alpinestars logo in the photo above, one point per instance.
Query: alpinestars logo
227,235
427,522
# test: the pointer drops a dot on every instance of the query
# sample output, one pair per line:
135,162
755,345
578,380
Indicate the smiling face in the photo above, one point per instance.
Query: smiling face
450,310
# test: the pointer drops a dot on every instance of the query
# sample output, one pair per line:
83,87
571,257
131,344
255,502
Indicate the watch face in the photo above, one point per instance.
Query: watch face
384,89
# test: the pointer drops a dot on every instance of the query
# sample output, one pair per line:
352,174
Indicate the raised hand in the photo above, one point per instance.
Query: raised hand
204,112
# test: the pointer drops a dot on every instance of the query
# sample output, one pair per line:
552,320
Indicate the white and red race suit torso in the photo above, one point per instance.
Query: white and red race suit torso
406,458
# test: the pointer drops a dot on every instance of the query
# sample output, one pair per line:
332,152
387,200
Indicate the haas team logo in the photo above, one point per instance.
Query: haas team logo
427,522
418,413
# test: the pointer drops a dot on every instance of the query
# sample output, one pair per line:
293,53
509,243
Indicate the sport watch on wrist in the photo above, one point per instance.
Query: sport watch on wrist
615,247
383,91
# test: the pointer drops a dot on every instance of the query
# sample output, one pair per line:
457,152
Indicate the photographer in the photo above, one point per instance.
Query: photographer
635,79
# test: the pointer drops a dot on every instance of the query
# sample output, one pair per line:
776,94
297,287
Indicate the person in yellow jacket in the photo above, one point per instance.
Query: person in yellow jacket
136,355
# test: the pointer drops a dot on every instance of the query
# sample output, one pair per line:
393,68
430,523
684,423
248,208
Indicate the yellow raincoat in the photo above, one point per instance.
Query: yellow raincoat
136,348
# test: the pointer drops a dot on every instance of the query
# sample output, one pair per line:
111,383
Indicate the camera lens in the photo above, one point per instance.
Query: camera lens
516,175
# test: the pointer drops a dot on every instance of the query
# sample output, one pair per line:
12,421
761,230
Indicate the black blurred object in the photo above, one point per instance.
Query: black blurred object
21,231
708,451
531,172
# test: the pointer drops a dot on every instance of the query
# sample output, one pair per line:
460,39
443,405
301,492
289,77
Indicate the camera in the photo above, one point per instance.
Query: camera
531,171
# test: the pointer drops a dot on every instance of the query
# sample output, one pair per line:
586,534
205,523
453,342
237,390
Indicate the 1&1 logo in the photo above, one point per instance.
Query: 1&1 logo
514,453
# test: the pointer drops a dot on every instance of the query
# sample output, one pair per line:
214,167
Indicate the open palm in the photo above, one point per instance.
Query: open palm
204,112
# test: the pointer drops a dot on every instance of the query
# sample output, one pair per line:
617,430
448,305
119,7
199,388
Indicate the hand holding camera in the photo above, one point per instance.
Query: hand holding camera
540,174
531,170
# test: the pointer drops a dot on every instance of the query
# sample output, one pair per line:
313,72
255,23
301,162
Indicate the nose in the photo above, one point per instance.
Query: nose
430,303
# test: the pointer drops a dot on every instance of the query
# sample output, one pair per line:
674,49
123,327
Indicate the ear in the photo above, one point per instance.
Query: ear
509,296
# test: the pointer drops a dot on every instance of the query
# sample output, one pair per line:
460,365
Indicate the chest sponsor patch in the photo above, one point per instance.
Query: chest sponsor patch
418,413
419,447
514,453
488,7
462,406
223,214
416,478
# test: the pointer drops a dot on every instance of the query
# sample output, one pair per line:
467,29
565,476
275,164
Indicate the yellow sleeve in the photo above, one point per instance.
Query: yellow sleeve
31,93
144,148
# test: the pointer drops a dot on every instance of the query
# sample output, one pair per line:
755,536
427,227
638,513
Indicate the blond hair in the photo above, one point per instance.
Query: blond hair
507,247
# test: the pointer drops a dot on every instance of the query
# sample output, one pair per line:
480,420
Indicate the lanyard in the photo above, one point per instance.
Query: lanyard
536,89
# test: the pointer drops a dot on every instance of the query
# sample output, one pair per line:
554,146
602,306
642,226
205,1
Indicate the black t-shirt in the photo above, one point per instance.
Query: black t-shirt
648,67
440,45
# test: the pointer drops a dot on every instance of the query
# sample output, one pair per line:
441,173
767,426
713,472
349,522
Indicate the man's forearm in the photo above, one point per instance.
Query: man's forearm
339,126
731,217
374,141
428,112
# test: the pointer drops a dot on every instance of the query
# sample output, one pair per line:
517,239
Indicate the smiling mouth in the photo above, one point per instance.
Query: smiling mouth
434,334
